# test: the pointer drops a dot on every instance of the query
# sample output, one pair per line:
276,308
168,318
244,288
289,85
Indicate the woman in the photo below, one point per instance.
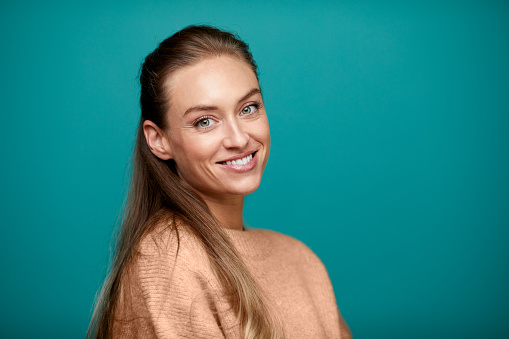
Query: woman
184,265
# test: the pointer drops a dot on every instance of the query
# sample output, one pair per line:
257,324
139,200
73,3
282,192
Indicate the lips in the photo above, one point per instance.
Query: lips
241,159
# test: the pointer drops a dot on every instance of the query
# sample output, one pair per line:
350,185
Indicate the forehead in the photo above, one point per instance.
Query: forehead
218,81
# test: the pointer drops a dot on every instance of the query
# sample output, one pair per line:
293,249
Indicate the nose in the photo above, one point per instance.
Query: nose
236,135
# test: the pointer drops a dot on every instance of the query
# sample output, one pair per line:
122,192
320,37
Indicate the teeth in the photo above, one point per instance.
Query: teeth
242,161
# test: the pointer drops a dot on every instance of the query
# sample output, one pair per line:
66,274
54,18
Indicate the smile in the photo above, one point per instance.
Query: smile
241,161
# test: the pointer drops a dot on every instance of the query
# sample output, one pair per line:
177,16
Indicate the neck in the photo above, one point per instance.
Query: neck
227,210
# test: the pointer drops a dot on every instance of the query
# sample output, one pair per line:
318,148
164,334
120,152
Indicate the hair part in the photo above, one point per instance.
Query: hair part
156,188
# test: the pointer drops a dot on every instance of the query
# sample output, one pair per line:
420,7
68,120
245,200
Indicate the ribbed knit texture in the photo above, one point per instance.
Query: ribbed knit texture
166,294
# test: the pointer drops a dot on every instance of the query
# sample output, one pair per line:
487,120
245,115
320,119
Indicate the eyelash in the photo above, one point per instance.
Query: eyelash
256,106
197,121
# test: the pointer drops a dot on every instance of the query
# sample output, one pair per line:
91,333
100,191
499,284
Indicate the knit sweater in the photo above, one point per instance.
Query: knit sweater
170,293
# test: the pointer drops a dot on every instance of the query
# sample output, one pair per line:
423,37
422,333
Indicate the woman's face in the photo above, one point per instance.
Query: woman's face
218,130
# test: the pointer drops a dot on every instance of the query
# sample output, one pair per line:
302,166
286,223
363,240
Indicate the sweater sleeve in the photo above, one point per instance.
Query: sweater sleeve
163,295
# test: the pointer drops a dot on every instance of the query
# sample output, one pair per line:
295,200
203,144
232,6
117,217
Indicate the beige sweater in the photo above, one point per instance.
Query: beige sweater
165,295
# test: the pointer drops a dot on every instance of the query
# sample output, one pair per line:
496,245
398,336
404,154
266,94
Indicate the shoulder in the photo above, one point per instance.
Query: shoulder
167,256
169,265
169,237
288,242
167,286
286,248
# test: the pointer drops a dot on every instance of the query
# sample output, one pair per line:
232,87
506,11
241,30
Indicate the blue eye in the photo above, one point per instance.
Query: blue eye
249,109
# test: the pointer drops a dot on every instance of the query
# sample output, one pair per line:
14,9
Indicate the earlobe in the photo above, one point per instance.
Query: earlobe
157,140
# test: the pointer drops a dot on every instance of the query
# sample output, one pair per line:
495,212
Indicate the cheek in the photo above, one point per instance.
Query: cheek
191,155
195,150
262,131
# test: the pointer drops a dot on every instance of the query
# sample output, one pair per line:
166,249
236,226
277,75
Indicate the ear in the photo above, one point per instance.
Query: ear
157,140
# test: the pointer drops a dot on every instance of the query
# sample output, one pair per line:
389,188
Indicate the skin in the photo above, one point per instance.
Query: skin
216,113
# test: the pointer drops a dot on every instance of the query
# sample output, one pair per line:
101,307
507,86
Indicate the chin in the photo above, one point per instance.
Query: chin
244,188
237,187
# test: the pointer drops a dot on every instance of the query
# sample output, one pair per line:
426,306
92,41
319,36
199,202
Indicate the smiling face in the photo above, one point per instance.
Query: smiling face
218,130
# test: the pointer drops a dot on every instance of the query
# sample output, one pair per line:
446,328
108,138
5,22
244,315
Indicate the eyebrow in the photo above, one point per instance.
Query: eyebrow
213,108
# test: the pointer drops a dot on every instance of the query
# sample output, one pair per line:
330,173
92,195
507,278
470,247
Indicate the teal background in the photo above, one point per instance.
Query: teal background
390,152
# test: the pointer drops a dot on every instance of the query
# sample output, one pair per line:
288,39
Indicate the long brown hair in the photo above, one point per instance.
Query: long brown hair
156,186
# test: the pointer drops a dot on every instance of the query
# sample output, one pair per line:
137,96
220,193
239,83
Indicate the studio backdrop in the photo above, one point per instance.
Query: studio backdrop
389,155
